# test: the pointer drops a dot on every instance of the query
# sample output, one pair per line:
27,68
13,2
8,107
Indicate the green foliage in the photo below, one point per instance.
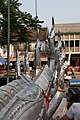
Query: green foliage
20,23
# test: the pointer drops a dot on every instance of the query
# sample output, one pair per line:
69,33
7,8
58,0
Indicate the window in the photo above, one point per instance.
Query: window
77,43
71,43
66,43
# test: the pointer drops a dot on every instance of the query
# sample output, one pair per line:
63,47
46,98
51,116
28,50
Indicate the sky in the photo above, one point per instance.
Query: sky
63,11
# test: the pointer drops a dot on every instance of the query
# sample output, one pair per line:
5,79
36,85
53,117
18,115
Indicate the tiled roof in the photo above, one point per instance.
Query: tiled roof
43,32
68,28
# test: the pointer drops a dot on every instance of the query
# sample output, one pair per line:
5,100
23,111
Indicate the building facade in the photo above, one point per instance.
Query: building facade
70,34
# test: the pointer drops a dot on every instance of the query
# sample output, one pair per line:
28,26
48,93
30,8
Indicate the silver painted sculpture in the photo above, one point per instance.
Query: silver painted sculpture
24,99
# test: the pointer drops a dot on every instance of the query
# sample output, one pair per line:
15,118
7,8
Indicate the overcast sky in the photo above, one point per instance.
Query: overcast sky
63,11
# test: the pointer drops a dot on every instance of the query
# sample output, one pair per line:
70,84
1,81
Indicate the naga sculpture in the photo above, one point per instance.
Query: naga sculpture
27,99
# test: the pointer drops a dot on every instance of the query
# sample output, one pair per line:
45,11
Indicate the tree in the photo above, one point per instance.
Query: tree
20,23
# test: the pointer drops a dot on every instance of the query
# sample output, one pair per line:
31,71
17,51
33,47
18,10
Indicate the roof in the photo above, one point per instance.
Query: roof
43,33
68,28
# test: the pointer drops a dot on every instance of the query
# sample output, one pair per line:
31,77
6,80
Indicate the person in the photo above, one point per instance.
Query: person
73,113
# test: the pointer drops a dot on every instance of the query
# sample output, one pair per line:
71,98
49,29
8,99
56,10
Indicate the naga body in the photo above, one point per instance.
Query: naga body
20,100
27,99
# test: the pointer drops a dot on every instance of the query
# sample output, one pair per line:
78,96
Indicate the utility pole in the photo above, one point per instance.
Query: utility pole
37,46
34,73
36,7
8,43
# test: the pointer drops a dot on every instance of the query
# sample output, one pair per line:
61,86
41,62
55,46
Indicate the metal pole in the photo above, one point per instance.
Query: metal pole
36,7
36,42
8,43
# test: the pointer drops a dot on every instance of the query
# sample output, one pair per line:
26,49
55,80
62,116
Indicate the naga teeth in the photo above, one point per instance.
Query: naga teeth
24,103
18,107
15,110
12,113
